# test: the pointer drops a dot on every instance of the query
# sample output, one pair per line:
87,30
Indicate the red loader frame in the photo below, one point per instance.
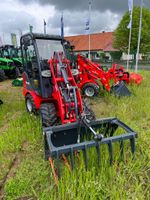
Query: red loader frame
117,73
90,72
62,80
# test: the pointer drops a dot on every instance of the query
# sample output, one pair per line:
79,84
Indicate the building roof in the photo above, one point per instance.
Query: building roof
99,41
109,47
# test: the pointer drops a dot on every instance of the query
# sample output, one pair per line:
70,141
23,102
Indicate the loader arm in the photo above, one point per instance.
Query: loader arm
66,91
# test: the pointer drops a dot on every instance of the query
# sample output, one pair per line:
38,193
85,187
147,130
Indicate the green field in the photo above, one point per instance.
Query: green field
24,174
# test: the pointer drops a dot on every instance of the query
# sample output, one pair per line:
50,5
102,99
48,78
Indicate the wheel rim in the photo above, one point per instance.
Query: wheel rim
29,105
89,92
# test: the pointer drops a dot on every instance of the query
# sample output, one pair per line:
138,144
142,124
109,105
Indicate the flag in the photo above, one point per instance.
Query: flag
130,5
87,24
62,27
14,39
87,27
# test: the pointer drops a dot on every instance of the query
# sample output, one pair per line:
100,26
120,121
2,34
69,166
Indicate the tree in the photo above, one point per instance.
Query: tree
116,55
121,35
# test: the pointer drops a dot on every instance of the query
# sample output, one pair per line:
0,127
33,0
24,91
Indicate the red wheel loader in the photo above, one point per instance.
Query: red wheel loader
49,86
90,76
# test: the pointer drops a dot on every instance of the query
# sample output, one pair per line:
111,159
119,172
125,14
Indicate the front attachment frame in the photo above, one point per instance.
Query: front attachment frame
64,139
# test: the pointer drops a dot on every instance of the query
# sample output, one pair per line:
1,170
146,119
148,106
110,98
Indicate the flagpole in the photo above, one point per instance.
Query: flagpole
62,26
89,47
89,31
129,46
44,26
130,32
1,42
139,37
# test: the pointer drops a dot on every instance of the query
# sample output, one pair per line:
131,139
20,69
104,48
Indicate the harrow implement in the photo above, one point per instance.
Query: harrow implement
70,138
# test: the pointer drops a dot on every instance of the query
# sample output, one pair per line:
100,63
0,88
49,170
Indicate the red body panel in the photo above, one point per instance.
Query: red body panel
136,78
117,73
37,99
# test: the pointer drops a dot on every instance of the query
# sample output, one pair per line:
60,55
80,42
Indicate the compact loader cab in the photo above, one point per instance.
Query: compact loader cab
37,49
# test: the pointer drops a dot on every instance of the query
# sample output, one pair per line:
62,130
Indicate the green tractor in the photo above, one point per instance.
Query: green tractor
7,68
10,62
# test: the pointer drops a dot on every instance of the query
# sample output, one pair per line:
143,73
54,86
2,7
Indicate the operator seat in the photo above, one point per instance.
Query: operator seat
46,79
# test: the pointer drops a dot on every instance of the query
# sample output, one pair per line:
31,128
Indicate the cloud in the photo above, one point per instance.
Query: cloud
74,22
12,21
18,14
16,18
118,6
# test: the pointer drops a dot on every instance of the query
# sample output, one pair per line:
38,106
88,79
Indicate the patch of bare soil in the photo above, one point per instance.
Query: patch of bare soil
26,198
17,158
7,86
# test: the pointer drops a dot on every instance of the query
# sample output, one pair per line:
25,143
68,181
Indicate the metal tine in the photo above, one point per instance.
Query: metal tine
53,171
66,162
98,153
72,158
110,149
58,164
122,150
85,157
132,144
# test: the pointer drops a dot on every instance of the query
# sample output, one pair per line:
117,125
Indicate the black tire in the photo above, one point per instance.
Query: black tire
2,75
13,74
90,89
1,102
30,105
90,115
48,114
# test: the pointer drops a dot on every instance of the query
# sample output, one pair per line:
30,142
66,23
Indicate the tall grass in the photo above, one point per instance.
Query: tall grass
33,176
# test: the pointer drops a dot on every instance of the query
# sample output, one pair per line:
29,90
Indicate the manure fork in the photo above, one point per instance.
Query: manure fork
88,139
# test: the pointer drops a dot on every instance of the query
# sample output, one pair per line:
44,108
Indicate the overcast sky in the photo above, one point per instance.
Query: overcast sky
16,15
